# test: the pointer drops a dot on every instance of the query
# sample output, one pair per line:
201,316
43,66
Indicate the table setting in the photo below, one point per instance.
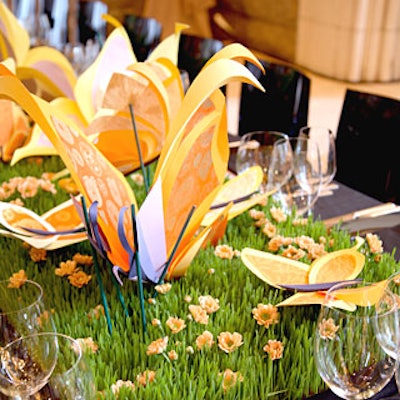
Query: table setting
135,264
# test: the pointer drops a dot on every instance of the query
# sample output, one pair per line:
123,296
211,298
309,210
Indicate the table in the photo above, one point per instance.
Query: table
346,200
122,355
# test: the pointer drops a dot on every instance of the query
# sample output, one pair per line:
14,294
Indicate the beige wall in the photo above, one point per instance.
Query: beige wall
351,40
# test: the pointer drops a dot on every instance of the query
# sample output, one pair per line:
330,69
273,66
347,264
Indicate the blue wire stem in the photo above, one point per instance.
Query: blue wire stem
97,269
142,167
138,271
177,243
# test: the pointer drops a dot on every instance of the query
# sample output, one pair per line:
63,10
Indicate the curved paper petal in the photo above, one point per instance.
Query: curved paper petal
39,144
14,38
169,47
115,56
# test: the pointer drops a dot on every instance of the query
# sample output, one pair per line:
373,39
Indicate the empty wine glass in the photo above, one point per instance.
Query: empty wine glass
347,352
301,190
389,334
72,378
26,364
325,139
22,310
257,148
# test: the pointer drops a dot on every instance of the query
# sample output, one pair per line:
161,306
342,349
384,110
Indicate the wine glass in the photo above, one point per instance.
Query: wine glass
389,334
325,139
22,310
301,190
72,378
347,351
257,148
27,363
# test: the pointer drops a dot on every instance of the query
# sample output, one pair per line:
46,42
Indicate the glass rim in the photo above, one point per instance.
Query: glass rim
77,347
38,299
318,127
328,298
259,132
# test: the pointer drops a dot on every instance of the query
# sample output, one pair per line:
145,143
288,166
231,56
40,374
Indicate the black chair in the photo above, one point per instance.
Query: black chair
144,34
368,145
282,107
195,51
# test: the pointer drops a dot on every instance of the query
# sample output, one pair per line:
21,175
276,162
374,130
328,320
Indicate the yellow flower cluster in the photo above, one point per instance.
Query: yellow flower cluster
374,243
26,187
163,288
293,248
267,315
75,275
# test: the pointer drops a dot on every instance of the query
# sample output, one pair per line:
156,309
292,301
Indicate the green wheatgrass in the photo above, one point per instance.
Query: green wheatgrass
122,355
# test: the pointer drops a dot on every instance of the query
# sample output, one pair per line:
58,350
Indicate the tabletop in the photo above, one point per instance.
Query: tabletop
346,200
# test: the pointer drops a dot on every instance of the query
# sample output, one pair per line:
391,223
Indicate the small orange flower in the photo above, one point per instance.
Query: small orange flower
83,259
97,312
88,344
175,324
116,387
269,229
157,346
278,241
172,355
293,253
43,319
374,243
256,214
274,348
209,304
37,255
164,288
66,268
18,279
230,379
155,322
224,251
146,377
327,329
187,298
205,339
199,314
79,279
266,314
138,179
229,342
278,214
300,222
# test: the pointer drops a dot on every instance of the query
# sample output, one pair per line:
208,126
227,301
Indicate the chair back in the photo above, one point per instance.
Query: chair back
368,145
282,107
195,51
